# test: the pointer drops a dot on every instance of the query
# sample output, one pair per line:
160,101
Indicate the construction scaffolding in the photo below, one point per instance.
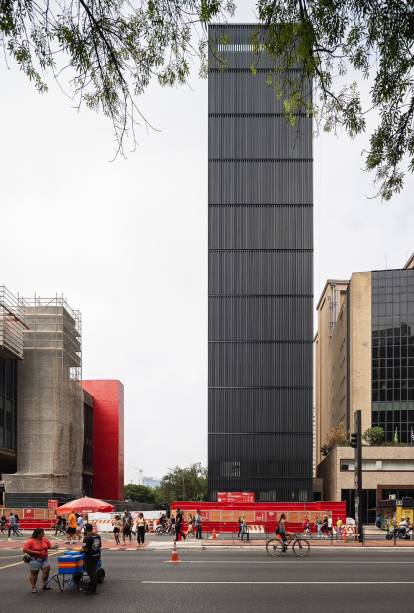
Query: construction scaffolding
50,417
12,325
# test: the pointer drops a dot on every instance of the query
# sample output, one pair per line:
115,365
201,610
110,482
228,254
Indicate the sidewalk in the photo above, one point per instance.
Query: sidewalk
155,544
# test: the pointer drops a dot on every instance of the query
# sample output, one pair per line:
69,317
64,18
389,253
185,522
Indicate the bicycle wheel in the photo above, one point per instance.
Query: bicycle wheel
274,547
301,547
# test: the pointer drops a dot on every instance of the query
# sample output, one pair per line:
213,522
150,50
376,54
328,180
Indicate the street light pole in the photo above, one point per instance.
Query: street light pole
358,477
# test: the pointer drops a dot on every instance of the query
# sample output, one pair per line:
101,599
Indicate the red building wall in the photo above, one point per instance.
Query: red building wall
108,438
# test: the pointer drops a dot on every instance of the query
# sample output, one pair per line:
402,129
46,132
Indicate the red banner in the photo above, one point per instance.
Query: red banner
52,504
235,497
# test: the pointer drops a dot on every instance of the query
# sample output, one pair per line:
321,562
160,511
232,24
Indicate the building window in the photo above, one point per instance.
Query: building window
379,465
230,469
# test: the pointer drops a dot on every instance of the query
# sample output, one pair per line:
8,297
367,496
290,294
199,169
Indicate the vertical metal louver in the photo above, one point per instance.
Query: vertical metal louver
260,280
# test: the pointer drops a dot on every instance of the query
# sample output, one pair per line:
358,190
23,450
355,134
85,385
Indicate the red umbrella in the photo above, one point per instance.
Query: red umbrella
86,505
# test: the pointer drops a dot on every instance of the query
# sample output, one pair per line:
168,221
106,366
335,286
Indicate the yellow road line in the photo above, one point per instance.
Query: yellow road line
18,563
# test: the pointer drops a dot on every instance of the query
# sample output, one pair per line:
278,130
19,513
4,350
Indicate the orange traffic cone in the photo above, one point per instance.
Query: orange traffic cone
174,555
213,534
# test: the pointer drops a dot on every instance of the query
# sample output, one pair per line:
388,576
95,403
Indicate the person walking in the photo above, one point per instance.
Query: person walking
16,527
92,545
36,548
179,526
79,526
240,522
127,527
198,525
324,528
140,529
306,526
318,523
71,530
339,529
243,530
60,525
117,525
190,525
11,524
3,522
330,526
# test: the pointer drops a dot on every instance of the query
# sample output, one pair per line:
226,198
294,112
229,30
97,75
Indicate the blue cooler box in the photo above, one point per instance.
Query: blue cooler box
71,563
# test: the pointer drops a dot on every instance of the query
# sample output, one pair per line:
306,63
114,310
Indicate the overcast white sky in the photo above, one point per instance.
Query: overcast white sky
126,242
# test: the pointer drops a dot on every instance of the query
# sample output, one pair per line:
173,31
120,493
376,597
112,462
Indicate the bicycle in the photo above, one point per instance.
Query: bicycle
300,546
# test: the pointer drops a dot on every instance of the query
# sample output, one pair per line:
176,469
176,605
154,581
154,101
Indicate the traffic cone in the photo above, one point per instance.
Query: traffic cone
213,534
174,555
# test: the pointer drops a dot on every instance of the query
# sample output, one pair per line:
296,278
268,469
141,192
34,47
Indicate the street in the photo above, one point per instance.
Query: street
226,581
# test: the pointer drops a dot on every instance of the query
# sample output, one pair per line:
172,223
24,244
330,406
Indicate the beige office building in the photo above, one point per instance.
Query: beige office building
364,359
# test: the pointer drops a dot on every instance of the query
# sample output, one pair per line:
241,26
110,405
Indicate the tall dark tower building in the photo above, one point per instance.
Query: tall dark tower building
260,280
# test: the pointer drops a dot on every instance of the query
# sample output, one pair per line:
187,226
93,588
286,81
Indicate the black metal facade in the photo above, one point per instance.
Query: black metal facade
260,280
8,415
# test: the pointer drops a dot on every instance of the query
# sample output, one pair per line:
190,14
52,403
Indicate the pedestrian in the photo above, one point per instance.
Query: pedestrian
240,522
306,526
117,524
71,530
127,527
140,529
92,549
16,526
190,525
243,530
325,528
330,526
318,523
3,522
179,526
339,528
79,526
11,524
198,525
60,525
36,549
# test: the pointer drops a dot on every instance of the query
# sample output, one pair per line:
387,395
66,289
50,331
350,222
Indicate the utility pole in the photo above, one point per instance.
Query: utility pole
356,443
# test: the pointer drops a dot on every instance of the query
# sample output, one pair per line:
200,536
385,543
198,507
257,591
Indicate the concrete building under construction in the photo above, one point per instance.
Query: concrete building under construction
49,421
46,418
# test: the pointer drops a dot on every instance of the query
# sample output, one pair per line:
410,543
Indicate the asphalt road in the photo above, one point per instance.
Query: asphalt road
225,582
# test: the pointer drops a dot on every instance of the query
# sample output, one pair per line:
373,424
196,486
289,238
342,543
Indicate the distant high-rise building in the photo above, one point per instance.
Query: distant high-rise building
260,281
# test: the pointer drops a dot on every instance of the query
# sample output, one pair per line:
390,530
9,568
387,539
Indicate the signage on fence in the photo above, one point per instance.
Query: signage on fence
235,497
52,503
28,514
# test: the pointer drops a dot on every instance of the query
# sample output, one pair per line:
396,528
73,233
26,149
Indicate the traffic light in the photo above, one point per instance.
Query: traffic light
354,440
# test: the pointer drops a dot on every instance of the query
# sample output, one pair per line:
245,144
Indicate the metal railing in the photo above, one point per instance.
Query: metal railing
12,324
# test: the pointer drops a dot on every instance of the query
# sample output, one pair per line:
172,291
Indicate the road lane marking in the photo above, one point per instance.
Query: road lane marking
55,553
292,562
279,582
